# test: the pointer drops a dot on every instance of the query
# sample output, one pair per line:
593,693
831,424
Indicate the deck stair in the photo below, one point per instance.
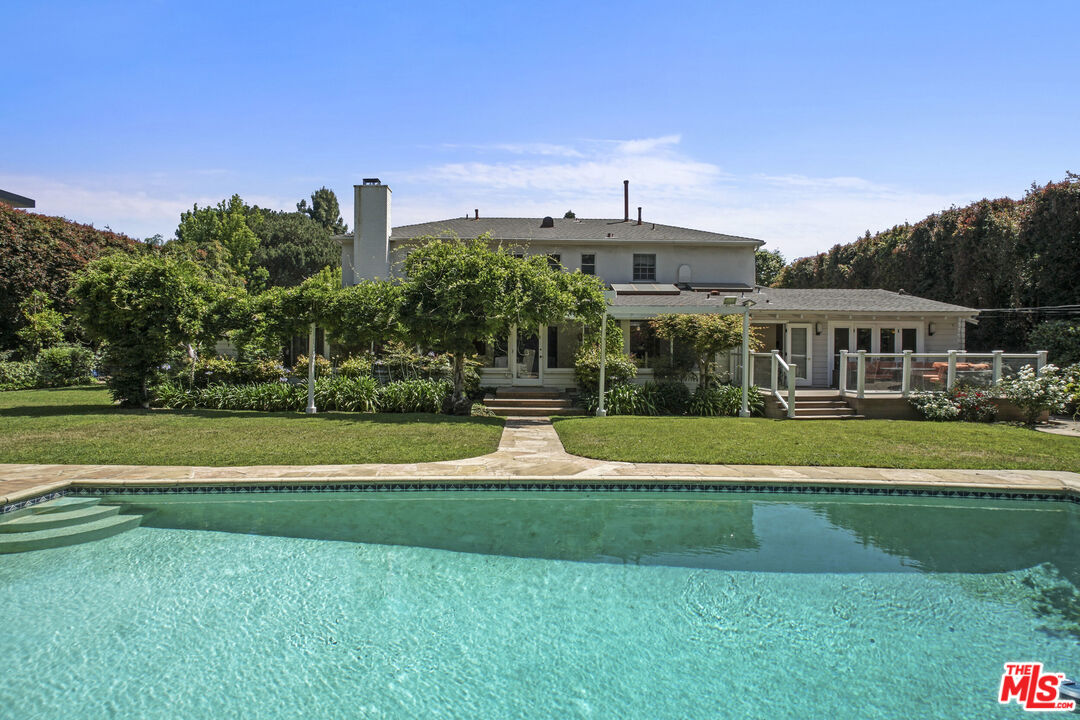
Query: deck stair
60,522
815,405
532,402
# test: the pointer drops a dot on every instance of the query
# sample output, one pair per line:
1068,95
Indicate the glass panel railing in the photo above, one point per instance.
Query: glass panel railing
929,373
884,374
974,370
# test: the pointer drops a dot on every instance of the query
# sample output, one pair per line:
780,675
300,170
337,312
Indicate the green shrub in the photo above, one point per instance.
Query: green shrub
355,366
261,370
18,375
216,370
346,394
724,400
619,368
411,396
1072,389
65,365
672,397
300,368
1036,393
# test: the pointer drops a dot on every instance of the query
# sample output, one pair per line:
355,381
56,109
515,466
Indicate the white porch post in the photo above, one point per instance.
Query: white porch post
744,403
843,372
600,411
860,376
791,391
997,367
1041,361
905,377
774,371
950,377
311,371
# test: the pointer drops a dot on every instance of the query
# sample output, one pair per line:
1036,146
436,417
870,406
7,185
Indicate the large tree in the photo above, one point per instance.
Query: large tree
292,246
148,309
460,292
40,253
324,210
989,254
767,266
221,240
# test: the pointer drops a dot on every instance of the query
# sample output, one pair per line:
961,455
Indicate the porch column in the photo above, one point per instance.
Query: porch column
744,403
600,411
310,410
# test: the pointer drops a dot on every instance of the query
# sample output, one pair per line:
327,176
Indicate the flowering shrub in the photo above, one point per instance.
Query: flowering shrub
1072,389
967,403
936,406
1036,394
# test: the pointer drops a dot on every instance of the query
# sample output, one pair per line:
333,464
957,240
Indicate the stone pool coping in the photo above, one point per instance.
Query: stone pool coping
529,455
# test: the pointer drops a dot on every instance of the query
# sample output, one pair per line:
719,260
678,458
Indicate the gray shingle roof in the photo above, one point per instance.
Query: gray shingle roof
593,230
787,299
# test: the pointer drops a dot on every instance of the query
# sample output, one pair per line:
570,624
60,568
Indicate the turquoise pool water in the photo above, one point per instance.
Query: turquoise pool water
499,605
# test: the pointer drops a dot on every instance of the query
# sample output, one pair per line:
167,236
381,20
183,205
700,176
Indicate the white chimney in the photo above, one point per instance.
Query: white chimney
371,230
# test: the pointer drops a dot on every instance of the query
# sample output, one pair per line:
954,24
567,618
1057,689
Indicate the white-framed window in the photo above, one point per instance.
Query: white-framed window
588,263
644,267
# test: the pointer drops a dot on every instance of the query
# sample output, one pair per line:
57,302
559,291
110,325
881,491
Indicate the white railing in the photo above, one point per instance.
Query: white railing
863,372
776,364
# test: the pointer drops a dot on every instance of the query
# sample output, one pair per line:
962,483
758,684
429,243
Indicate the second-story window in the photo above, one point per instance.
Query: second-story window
644,267
588,263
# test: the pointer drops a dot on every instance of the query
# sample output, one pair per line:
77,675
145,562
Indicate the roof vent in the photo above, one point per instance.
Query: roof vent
372,181
547,222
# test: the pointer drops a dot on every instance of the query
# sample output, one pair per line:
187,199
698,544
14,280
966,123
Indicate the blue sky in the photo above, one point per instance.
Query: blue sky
802,124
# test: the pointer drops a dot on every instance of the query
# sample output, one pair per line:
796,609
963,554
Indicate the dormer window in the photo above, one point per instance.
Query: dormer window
644,267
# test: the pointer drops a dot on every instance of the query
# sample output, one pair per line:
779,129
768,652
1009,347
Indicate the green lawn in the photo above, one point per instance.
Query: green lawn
81,426
862,443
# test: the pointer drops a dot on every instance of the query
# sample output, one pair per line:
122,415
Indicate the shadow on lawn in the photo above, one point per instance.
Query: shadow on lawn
108,411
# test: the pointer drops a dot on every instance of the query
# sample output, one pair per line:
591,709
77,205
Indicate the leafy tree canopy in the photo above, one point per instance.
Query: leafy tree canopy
292,246
43,324
40,253
768,264
324,210
220,239
459,292
989,254
147,308
708,335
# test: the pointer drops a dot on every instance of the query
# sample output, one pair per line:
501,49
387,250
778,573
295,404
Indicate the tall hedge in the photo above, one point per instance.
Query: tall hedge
39,252
989,254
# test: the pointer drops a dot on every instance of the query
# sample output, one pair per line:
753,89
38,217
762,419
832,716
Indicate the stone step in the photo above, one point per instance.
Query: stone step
819,403
46,520
527,394
70,535
64,504
813,412
538,404
829,417
535,412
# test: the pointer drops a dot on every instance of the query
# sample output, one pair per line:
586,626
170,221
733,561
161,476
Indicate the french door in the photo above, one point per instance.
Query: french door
528,356
800,351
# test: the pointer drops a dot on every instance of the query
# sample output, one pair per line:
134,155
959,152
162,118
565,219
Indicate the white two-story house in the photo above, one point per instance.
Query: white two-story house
652,265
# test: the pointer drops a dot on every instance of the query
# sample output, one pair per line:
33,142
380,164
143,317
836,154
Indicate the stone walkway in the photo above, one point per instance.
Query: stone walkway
1059,425
529,450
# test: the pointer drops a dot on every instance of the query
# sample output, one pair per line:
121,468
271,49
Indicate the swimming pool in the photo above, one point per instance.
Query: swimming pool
502,604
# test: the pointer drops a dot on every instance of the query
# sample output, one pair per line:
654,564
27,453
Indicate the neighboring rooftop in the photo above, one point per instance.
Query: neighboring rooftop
14,200
790,299
568,230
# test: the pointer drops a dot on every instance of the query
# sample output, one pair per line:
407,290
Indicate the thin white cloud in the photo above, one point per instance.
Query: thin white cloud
104,202
647,145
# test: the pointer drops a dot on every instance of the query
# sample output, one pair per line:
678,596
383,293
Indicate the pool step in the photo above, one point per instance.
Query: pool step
64,504
46,520
66,521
